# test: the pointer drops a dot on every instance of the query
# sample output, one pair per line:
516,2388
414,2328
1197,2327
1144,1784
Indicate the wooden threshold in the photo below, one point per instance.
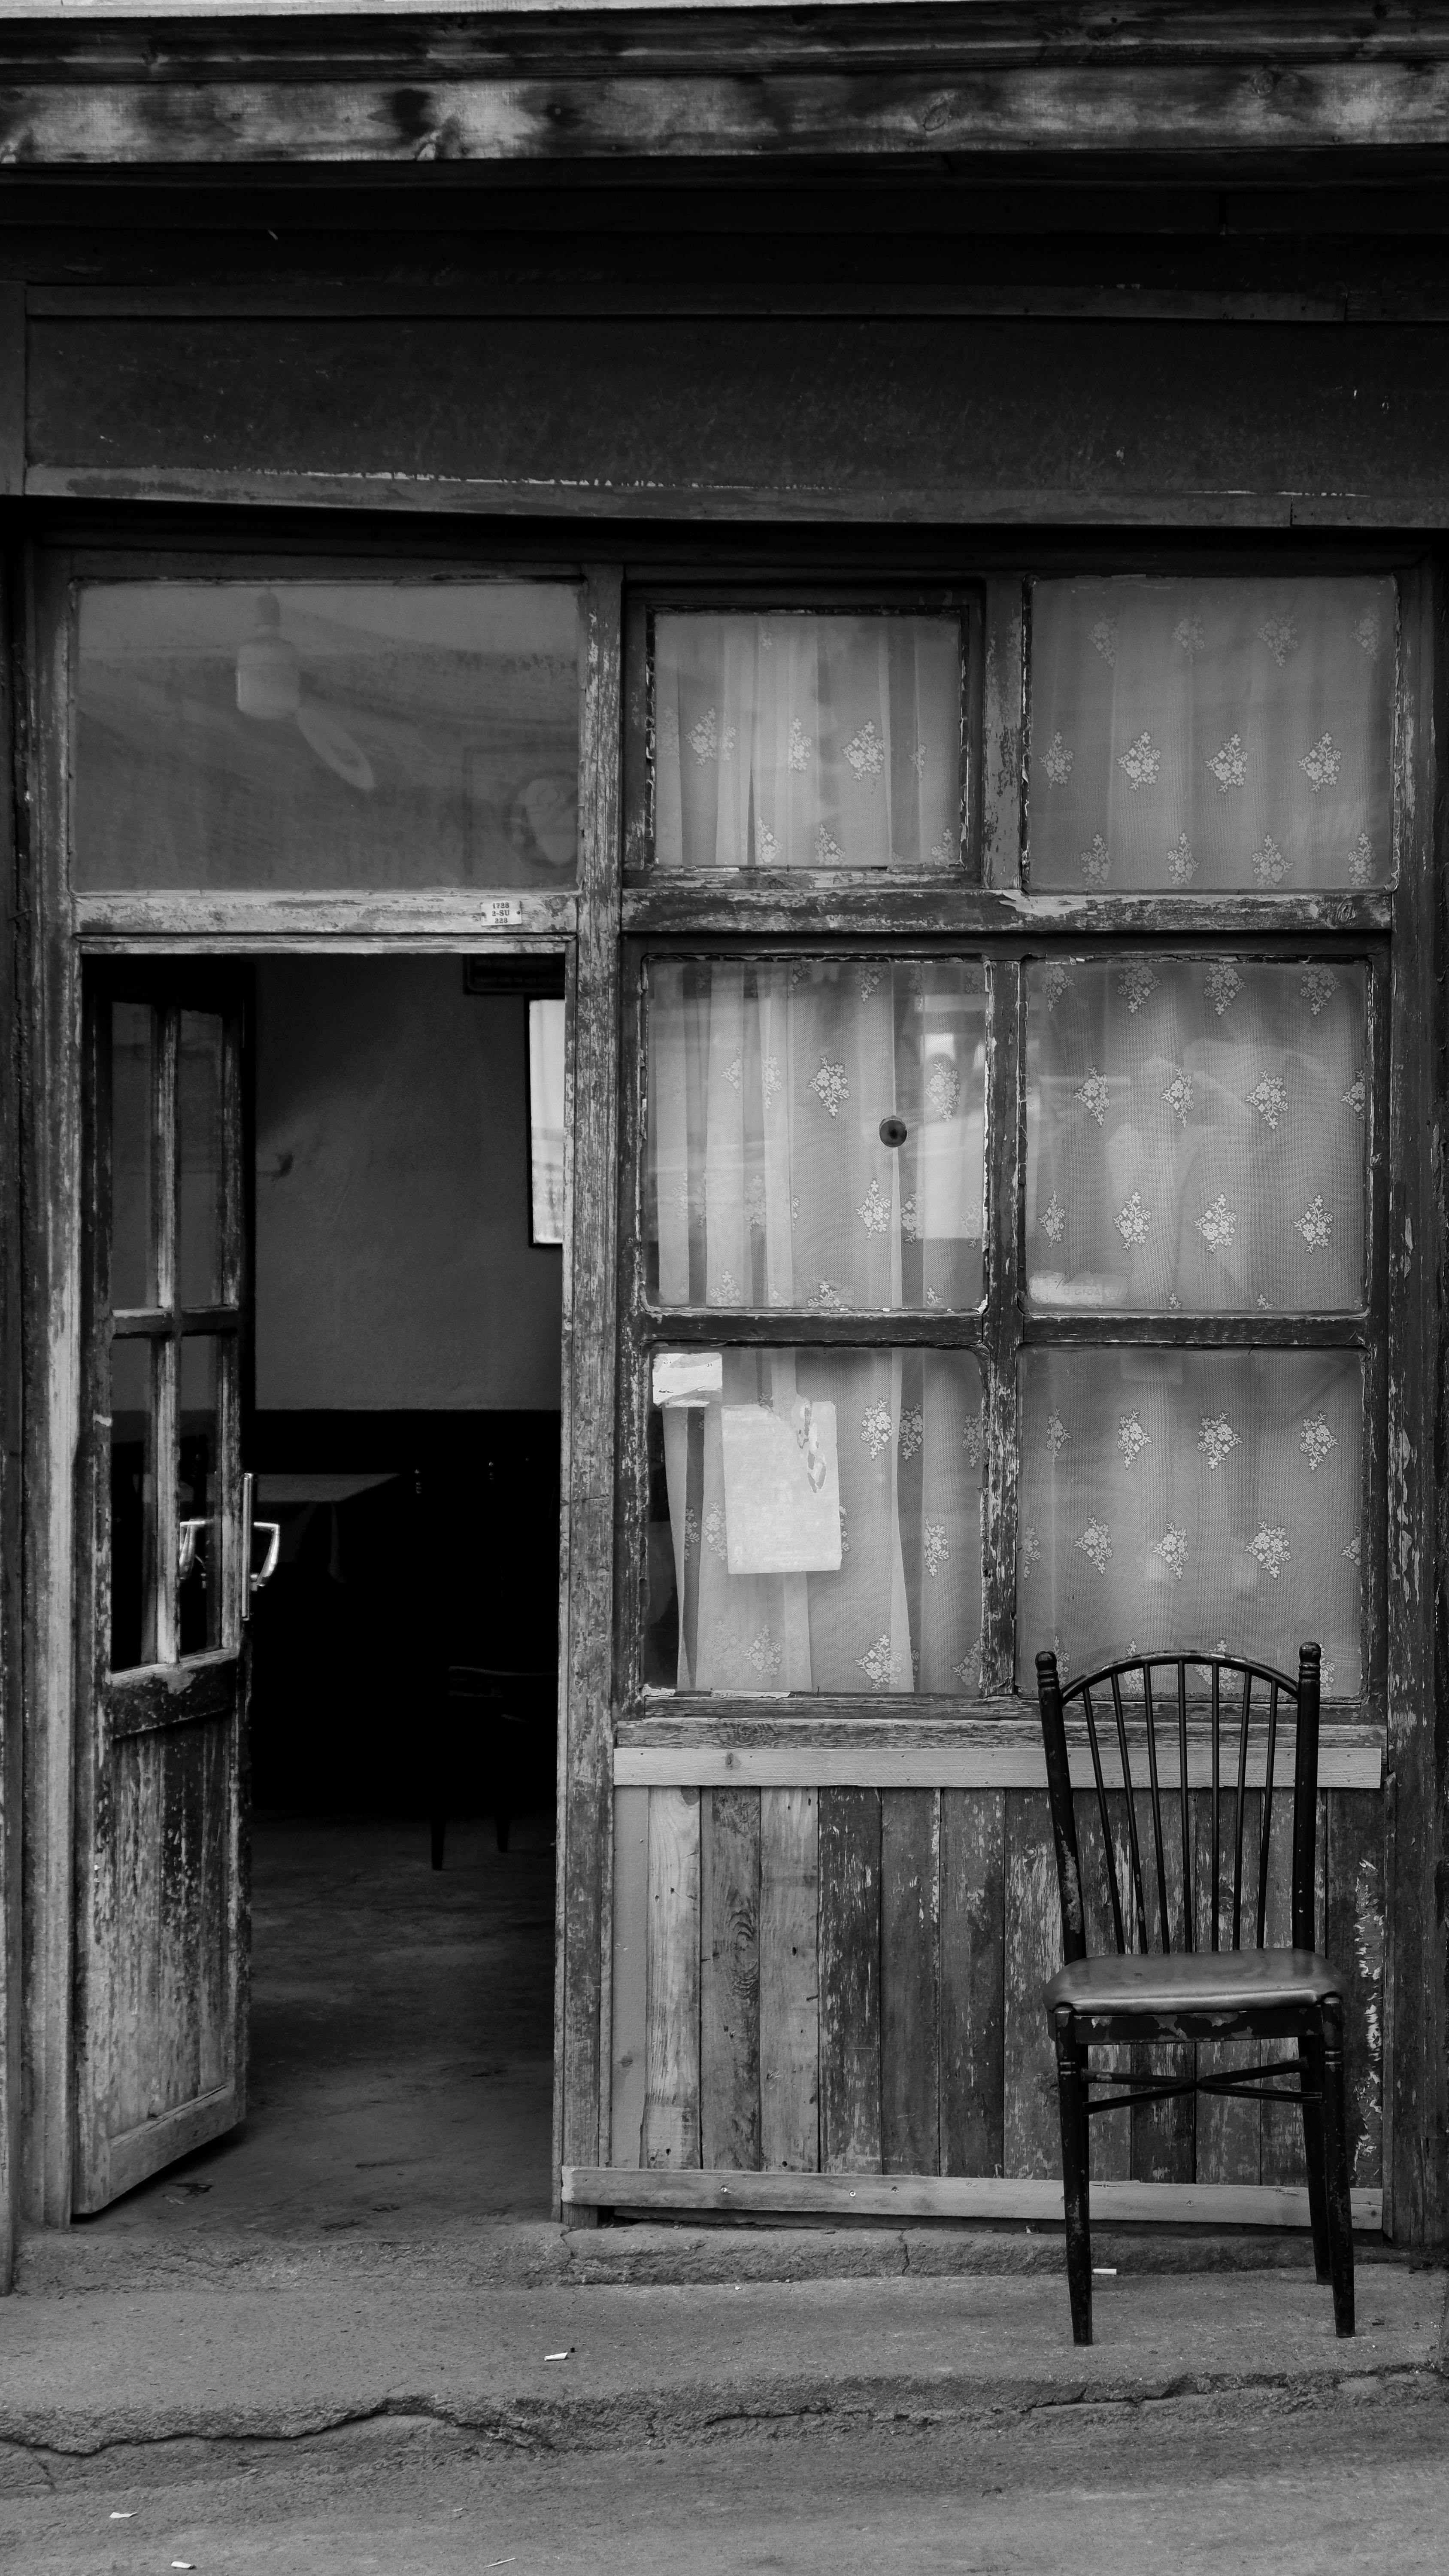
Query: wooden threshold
799,1763
944,2196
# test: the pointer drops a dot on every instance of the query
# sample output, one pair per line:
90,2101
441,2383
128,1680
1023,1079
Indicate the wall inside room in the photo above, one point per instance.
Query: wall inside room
394,1268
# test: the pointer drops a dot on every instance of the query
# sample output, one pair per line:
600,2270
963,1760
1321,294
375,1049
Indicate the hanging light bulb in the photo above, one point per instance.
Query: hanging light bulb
268,675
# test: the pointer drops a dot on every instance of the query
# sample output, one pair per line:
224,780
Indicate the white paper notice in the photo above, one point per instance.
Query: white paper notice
781,1489
688,1378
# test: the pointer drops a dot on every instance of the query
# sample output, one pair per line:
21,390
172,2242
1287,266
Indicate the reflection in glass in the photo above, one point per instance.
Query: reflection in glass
133,1154
546,1119
816,1526
1195,1134
199,1496
1190,1498
199,1206
802,741
1188,735
815,1132
133,1507
327,734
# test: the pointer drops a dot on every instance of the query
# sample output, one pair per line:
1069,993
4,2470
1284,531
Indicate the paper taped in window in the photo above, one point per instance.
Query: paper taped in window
781,1488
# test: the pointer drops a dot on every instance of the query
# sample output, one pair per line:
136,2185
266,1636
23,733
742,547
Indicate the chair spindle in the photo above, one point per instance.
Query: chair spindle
1188,1942
1264,1846
1217,1711
1238,1819
1109,1855
1138,1891
1156,1811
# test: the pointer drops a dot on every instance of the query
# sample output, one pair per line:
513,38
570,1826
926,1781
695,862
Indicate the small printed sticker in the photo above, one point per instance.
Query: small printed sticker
502,912
687,1378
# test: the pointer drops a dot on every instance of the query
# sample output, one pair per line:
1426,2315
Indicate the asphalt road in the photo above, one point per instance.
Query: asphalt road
1260,2481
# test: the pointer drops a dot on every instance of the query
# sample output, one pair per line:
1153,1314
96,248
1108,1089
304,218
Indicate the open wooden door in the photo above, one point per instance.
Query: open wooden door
165,1545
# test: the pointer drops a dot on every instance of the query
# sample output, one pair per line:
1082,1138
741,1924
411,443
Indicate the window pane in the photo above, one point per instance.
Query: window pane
199,1213
1189,1499
797,741
133,1507
1195,1134
327,734
775,1091
198,1495
546,1118
1192,734
816,1525
133,1155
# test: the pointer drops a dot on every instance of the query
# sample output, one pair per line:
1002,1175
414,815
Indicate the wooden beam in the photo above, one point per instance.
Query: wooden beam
11,1455
897,2198
798,1764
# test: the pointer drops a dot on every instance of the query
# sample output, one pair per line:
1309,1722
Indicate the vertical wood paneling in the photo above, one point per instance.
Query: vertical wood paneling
1110,2136
850,2024
671,2099
789,1981
729,2045
1229,2133
1032,2136
628,2018
1282,2157
1355,1944
973,1933
1163,2132
910,1987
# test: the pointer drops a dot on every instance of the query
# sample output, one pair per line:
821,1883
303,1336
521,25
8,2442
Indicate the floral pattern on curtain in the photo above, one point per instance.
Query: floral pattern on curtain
807,741
769,1181
903,1613
1190,1498
1195,1134
1187,735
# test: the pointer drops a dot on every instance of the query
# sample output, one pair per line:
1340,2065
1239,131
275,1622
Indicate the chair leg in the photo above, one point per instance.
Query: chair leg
1310,2075
1072,2094
1335,2140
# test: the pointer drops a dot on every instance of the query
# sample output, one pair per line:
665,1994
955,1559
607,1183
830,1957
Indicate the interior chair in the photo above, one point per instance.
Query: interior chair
1219,1983
483,1712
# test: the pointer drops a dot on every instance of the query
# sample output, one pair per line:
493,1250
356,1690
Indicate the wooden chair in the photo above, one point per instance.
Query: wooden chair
1226,1992
487,1713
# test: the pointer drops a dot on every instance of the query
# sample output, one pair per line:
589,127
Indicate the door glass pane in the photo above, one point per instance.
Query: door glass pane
200,1204
1193,734
199,1496
327,734
815,1132
815,1522
1195,1134
1176,1499
133,1155
546,1119
800,741
133,1507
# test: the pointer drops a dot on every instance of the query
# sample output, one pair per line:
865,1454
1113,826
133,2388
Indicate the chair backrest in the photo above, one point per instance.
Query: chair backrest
1240,1704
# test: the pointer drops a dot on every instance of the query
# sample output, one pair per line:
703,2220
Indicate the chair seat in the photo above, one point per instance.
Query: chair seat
1210,1981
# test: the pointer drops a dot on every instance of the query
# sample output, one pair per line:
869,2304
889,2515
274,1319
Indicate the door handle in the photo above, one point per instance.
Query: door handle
250,1527
188,1555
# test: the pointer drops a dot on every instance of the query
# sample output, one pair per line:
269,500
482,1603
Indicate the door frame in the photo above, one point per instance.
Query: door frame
57,932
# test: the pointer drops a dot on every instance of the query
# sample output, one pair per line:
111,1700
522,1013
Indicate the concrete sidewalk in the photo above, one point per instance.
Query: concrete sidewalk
82,2370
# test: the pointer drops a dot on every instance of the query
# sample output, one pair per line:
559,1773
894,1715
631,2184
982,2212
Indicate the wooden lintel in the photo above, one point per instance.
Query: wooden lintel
975,1764
894,2198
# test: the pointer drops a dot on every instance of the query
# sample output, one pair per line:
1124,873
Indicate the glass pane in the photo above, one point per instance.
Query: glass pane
198,1495
546,1118
795,741
200,1208
816,1523
1193,734
327,734
815,1132
1195,1134
133,1154
1190,1498
133,1507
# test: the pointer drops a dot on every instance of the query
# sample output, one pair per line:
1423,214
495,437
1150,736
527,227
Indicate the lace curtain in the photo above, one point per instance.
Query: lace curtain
1195,734
770,1181
1195,1134
1184,1498
903,1611
796,741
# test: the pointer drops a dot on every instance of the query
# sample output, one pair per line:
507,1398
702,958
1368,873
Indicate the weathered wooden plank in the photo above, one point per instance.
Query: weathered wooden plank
899,2197
850,1958
671,2046
1282,2154
654,416
973,1969
910,1981
1229,2132
664,906
1163,2132
631,1934
1031,2124
1355,1944
1110,2136
12,1416
789,1980
729,1948
850,1746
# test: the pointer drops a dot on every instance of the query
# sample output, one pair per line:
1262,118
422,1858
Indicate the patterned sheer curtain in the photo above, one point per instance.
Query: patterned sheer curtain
1187,735
815,1141
806,741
